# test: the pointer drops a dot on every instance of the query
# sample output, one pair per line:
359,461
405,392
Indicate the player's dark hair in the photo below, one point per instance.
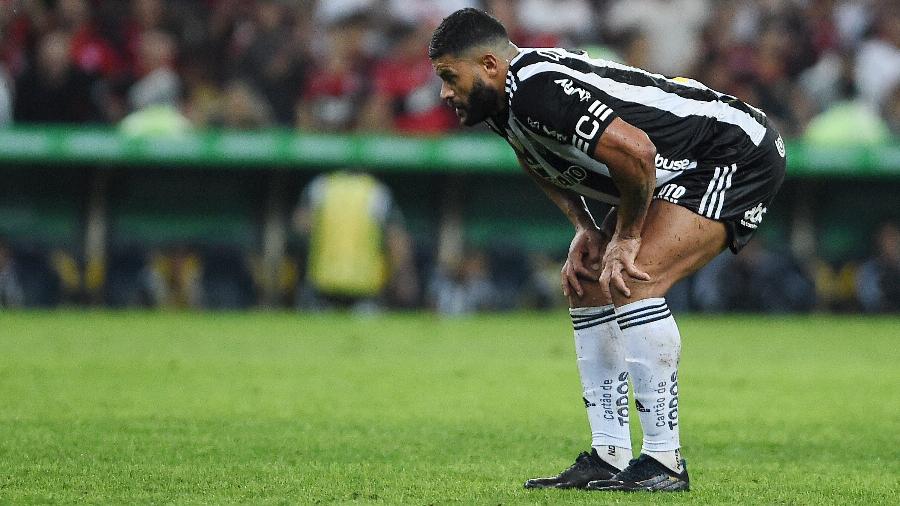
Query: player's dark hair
464,29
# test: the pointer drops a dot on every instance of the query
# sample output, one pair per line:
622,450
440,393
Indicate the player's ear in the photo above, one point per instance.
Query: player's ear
491,64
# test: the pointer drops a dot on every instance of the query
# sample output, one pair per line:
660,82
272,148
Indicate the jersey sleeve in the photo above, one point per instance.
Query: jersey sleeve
563,108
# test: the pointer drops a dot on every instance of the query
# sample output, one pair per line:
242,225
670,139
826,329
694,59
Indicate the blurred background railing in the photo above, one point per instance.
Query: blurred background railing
199,153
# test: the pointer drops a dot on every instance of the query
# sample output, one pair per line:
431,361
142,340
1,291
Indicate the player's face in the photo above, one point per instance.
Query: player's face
469,94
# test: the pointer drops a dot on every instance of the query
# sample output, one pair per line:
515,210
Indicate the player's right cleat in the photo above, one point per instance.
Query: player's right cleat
587,467
645,474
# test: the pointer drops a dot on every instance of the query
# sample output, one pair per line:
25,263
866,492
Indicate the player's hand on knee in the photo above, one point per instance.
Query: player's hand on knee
570,278
585,247
618,262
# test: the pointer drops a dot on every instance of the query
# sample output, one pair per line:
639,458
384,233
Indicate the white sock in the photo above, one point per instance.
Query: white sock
670,459
652,350
600,348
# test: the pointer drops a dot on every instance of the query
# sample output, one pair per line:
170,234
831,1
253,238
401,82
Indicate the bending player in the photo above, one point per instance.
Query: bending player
690,172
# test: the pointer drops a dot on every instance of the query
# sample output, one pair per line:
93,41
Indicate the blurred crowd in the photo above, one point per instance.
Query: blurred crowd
827,69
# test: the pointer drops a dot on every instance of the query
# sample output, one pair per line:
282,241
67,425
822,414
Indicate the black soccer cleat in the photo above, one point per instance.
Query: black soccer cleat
645,474
588,467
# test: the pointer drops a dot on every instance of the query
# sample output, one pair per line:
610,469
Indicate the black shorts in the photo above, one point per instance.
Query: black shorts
736,192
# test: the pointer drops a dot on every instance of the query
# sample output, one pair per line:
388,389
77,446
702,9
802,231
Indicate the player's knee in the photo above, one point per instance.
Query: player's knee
658,285
593,296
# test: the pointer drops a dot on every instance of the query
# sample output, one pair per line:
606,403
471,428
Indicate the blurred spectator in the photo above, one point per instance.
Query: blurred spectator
828,80
327,13
878,58
271,56
360,254
144,16
772,87
91,51
427,13
310,61
508,11
203,94
671,27
173,279
155,120
406,94
338,85
570,20
244,108
463,286
543,289
54,90
155,98
848,122
67,270
17,33
286,276
878,279
31,281
851,19
847,119
11,294
835,285
159,84
757,279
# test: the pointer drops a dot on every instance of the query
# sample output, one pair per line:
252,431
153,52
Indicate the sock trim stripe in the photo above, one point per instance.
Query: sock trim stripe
578,321
643,315
584,318
587,325
649,320
642,309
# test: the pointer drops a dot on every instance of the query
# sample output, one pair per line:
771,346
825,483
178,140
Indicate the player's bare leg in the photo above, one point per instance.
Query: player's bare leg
675,243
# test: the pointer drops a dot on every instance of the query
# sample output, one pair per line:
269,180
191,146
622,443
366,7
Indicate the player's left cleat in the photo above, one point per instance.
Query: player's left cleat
587,467
645,474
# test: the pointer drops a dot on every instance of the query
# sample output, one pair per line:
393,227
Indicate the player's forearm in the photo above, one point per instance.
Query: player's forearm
630,155
574,207
635,180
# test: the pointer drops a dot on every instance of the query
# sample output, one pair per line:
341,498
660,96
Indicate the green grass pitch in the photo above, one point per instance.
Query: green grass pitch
411,409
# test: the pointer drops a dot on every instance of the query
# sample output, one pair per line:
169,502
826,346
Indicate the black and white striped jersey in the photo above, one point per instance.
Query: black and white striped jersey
561,101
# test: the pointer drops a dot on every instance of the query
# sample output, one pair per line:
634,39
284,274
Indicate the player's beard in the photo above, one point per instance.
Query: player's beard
482,104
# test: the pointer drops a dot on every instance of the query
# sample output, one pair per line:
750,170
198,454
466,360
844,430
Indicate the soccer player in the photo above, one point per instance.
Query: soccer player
690,172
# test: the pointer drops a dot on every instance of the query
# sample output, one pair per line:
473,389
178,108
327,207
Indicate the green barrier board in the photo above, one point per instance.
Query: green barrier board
289,149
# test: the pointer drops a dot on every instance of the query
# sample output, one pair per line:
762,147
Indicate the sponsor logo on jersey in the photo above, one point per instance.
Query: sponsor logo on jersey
587,127
779,145
537,125
570,89
570,177
753,217
671,192
674,165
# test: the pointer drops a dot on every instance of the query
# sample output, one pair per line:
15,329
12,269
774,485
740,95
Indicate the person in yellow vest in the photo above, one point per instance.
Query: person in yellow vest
359,253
